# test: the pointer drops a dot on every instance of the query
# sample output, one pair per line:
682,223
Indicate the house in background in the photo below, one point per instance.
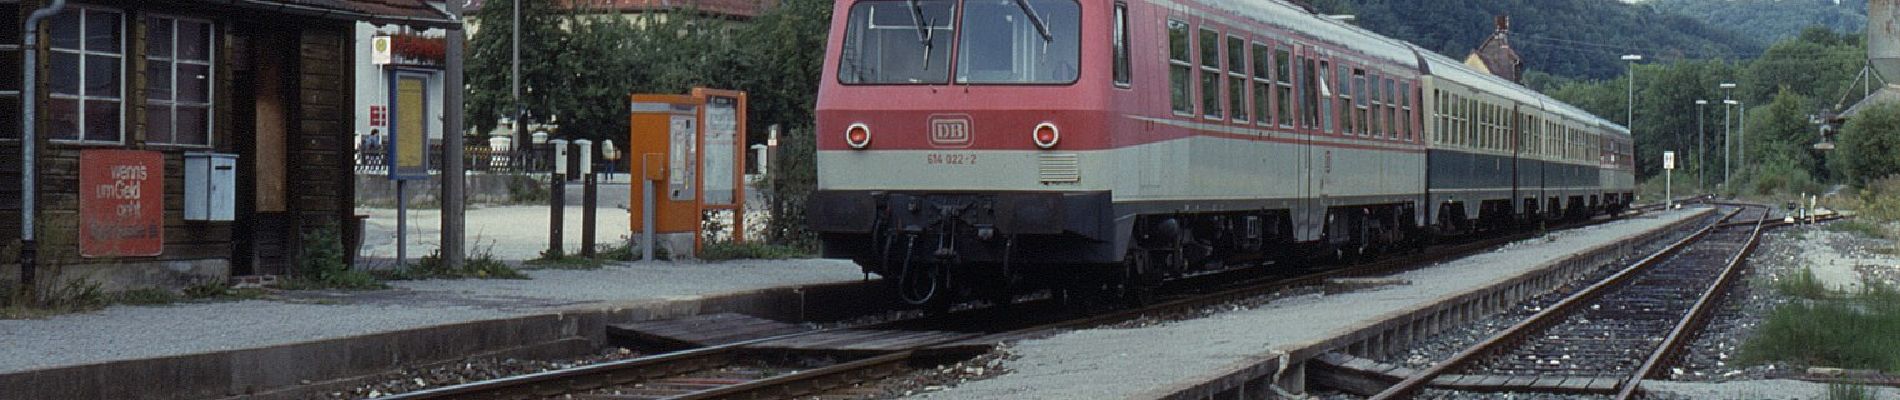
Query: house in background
267,84
1495,56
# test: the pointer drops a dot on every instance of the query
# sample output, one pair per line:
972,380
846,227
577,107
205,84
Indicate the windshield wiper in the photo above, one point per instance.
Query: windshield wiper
923,32
1036,19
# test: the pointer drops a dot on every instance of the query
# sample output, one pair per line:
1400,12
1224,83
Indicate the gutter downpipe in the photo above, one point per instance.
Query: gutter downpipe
29,141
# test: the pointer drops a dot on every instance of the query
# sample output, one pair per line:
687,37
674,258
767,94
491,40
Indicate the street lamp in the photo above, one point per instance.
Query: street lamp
1701,147
1629,109
1727,88
1741,141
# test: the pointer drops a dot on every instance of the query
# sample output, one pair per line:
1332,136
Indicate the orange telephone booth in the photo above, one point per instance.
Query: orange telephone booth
688,149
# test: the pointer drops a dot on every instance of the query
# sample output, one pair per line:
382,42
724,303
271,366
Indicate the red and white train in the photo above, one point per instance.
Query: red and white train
983,147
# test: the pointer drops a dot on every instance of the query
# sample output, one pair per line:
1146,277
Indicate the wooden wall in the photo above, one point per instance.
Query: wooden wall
323,189
318,148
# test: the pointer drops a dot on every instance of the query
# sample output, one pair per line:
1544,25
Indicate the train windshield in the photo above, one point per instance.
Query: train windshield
898,42
1019,41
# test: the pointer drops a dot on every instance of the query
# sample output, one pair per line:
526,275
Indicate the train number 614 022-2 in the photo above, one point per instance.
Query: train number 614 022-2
950,159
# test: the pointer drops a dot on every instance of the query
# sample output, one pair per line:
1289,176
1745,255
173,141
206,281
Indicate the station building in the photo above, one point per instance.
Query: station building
255,96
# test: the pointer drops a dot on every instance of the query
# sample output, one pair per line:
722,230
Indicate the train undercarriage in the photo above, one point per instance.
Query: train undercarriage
933,250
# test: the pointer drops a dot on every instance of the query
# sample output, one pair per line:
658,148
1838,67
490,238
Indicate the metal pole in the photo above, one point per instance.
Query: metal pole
454,172
557,197
590,192
1742,142
1726,154
646,211
29,141
402,226
1629,106
1701,149
515,76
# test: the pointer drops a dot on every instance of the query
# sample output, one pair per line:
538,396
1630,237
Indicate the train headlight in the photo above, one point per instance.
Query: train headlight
858,136
1046,135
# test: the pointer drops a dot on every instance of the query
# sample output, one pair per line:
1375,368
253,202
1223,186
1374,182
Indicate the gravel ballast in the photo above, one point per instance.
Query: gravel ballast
137,332
1152,361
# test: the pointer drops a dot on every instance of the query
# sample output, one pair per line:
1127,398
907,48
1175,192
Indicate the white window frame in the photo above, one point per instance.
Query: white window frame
83,53
211,82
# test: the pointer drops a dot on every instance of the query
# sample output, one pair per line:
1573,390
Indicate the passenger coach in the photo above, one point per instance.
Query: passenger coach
985,147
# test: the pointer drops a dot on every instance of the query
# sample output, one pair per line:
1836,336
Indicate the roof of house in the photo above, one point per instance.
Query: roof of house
393,11
1496,52
735,8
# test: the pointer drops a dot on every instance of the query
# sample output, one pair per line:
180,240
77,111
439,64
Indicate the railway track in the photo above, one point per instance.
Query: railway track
732,369
1607,338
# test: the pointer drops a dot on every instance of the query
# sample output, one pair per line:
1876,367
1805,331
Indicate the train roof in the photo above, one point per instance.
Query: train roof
1280,12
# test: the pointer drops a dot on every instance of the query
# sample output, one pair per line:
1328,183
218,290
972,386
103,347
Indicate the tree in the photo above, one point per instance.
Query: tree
1779,158
490,94
1869,146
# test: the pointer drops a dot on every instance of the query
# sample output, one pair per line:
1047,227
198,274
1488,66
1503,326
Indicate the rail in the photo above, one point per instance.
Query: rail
1556,314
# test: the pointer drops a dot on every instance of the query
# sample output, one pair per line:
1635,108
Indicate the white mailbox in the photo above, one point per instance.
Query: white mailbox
210,186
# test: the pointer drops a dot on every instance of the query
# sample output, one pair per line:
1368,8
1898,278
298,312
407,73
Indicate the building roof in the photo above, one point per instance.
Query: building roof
409,12
1497,55
733,8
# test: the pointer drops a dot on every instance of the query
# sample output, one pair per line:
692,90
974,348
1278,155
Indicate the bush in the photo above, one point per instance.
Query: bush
322,267
1868,149
1880,200
794,177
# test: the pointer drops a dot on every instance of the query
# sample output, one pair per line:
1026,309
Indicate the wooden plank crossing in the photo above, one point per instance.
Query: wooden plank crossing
1363,376
703,330
862,340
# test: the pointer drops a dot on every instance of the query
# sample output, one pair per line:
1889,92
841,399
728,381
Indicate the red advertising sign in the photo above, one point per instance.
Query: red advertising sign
378,116
121,203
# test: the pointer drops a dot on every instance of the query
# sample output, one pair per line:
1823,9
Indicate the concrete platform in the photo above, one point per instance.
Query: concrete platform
1253,353
303,341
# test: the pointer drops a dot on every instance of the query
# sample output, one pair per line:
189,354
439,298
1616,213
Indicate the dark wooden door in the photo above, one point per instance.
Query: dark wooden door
263,58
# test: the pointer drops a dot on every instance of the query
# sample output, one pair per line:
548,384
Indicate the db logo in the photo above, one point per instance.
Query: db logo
950,131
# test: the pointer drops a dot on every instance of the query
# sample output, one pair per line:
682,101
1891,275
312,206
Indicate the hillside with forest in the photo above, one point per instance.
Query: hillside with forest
1569,38
1771,20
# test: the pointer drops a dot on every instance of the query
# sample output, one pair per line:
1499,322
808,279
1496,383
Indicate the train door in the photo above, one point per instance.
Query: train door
1318,162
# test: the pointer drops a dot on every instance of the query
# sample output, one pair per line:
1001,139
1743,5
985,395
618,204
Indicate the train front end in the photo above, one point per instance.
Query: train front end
961,147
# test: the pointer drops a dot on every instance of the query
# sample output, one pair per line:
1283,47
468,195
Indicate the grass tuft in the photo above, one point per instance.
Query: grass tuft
478,264
147,297
750,250
1841,391
1803,285
1848,330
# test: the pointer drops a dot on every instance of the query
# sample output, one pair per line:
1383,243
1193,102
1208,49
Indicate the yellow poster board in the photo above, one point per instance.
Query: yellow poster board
410,128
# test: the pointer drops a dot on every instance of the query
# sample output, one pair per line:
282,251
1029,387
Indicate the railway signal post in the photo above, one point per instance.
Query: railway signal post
1669,180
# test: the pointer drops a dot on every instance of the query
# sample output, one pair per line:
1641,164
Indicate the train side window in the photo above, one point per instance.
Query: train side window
1325,96
1123,76
1359,102
1344,75
1405,107
1303,78
1283,93
1376,105
1437,116
1262,84
1180,70
1311,102
1237,77
1392,96
1211,75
